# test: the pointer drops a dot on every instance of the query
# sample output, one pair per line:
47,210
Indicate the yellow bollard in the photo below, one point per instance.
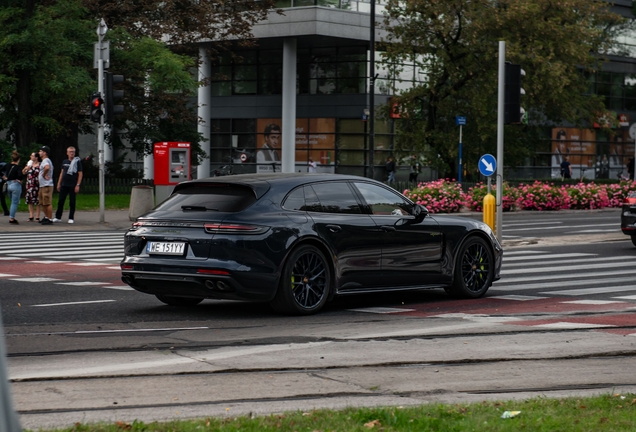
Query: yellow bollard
489,211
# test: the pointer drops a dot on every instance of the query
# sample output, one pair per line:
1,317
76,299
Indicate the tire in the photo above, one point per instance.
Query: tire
179,301
305,282
633,239
474,269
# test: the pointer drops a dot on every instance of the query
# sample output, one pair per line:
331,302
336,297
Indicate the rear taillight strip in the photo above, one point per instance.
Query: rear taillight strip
233,228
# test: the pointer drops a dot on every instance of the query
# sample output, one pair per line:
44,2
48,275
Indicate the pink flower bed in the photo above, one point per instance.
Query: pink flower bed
446,196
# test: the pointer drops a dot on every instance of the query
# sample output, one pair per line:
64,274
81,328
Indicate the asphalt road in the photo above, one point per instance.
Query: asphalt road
83,347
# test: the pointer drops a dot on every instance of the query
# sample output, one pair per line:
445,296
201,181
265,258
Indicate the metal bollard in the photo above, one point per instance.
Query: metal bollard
489,211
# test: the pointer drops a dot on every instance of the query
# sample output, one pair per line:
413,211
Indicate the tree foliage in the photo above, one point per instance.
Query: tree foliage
47,73
453,45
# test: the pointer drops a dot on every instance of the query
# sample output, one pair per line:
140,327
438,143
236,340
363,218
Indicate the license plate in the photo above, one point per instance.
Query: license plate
165,248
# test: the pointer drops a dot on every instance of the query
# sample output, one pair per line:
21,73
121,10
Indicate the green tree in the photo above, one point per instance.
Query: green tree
47,75
453,46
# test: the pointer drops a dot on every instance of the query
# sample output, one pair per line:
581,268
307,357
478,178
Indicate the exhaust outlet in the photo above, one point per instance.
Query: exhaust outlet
210,284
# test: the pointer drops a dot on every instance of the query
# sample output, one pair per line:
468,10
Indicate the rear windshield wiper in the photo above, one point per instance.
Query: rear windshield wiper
197,208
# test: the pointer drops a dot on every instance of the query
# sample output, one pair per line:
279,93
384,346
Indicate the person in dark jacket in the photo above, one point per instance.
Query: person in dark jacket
390,169
13,178
3,201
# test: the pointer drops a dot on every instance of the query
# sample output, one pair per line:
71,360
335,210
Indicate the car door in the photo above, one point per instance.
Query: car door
354,238
412,250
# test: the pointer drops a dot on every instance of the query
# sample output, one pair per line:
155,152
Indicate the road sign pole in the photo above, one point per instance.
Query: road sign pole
459,174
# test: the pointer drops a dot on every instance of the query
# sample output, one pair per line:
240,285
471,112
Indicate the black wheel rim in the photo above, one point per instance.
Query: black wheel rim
476,267
309,280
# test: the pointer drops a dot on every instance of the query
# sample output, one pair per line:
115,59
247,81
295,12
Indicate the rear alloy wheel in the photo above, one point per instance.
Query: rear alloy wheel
179,301
305,282
474,269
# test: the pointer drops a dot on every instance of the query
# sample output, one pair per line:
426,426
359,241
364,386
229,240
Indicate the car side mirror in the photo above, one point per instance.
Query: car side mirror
420,212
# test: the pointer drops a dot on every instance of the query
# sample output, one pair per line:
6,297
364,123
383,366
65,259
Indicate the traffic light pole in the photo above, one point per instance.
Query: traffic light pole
100,142
101,31
500,137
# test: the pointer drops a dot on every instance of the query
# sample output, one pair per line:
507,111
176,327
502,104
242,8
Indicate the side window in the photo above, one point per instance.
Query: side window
295,200
383,201
336,197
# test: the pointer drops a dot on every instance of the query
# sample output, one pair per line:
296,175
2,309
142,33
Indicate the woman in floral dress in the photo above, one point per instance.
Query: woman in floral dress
32,171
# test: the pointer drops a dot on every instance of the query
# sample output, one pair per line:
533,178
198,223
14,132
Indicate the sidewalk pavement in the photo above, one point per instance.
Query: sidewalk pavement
116,220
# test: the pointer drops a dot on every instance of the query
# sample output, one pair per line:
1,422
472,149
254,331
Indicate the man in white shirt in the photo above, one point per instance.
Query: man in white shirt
45,194
311,166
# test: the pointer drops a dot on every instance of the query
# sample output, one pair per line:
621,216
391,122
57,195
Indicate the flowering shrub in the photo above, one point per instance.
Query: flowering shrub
445,196
542,196
586,196
440,196
474,198
616,192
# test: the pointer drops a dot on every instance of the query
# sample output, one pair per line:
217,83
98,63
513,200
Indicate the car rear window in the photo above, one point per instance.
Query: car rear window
213,197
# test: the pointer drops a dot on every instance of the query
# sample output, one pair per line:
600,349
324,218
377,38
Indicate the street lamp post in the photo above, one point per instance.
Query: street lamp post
372,77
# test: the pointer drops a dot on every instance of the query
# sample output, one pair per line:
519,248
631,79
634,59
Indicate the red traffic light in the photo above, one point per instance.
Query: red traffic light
97,107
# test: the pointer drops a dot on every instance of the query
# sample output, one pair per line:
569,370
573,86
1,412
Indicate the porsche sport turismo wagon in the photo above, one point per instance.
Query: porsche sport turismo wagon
298,240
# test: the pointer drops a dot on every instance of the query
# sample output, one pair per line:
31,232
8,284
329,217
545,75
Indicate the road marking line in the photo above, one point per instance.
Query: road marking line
10,258
564,276
88,264
381,310
73,303
518,297
7,275
529,223
569,227
570,325
587,291
35,279
522,253
560,284
567,261
87,283
631,297
593,302
554,256
562,268
46,262
120,287
114,268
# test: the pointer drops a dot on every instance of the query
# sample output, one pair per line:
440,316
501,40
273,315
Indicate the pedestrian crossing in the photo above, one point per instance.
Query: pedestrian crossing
88,246
526,228
565,274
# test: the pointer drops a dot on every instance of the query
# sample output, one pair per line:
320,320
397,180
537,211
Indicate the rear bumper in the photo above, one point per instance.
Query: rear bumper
185,281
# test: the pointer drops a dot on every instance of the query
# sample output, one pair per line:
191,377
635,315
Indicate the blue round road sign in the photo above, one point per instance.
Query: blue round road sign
487,165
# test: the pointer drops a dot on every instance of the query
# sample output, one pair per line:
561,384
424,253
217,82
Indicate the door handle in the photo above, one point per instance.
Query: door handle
387,228
334,228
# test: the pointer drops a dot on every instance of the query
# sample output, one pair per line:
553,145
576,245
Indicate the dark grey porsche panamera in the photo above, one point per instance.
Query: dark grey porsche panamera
298,240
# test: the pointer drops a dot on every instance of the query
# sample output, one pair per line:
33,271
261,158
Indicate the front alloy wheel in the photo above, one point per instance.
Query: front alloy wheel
305,282
474,269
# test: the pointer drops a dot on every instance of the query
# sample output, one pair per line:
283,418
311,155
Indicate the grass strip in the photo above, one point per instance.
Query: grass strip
88,202
610,412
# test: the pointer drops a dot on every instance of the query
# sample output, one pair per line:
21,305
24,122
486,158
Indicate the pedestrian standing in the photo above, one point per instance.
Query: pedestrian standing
32,172
69,184
566,168
2,189
311,166
415,169
390,169
45,195
13,177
